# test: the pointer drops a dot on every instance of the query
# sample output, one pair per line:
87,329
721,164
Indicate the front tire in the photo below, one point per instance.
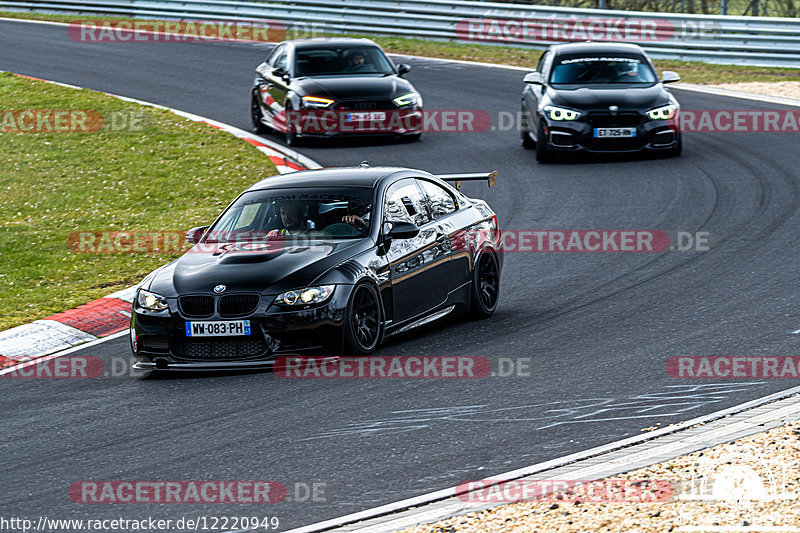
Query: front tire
256,115
676,152
291,135
363,320
485,286
525,134
543,153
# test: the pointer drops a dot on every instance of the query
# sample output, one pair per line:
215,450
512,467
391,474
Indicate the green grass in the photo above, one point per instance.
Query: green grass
171,175
690,71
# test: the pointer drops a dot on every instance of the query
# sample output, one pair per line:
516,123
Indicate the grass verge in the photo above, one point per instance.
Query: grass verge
171,174
690,71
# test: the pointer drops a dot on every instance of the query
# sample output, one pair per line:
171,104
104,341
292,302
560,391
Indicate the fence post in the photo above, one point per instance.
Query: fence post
723,9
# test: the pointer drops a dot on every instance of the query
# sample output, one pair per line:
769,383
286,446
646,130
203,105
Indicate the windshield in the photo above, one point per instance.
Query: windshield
341,61
310,213
589,70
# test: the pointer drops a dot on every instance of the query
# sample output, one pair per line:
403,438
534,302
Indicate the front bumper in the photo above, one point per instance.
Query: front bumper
578,135
159,340
321,124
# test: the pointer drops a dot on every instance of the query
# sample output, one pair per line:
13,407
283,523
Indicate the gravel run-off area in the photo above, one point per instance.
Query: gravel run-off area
788,89
752,484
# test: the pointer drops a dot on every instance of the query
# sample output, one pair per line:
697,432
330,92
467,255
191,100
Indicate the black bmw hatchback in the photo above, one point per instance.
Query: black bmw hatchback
322,88
598,97
320,262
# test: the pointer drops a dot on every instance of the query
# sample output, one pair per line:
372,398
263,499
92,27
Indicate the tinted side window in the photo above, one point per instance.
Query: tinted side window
441,202
405,202
274,54
541,62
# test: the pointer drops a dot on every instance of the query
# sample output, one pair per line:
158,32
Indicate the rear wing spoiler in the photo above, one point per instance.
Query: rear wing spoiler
490,177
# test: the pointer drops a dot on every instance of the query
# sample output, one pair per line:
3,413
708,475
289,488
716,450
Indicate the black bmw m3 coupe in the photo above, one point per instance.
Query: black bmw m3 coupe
320,262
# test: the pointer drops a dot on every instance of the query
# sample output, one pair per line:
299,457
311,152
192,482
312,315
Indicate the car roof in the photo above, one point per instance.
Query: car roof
358,176
596,48
301,44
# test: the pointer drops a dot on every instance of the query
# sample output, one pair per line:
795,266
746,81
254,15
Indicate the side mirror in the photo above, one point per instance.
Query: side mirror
669,77
403,68
534,78
280,73
194,235
401,230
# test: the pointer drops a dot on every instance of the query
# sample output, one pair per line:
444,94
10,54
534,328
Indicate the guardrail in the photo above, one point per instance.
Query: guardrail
711,38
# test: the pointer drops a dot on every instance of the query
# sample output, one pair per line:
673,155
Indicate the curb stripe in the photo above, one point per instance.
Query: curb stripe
100,317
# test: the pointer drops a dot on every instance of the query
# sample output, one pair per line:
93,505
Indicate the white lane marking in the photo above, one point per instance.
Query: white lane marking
716,91
65,352
795,332
40,337
126,294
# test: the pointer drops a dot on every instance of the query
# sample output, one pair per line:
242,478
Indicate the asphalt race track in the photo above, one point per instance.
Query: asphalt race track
597,327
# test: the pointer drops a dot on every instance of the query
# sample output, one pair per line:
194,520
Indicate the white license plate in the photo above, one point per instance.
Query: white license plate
223,328
366,115
614,132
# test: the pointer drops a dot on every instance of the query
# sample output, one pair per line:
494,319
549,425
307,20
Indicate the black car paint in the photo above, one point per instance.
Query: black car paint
416,277
633,101
285,89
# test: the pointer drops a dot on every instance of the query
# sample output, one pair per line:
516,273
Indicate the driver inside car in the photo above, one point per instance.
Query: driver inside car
291,220
357,62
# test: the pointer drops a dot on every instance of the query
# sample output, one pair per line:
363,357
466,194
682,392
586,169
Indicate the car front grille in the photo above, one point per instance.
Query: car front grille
238,304
603,119
221,349
197,306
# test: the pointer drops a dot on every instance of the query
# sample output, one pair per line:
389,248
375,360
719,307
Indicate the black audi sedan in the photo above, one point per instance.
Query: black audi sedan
320,262
598,97
323,88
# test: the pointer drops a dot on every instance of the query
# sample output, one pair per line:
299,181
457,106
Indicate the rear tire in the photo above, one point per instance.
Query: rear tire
485,286
543,153
363,321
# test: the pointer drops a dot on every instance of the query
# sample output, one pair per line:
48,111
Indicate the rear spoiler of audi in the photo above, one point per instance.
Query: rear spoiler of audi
490,177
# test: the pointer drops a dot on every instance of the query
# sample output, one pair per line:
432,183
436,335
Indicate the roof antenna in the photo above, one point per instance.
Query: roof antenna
364,164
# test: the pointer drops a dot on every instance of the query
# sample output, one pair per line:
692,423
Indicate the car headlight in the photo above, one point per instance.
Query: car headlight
310,295
317,101
409,99
151,301
663,113
560,113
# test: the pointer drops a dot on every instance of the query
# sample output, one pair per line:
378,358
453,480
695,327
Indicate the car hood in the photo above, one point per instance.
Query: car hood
353,87
268,269
604,96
